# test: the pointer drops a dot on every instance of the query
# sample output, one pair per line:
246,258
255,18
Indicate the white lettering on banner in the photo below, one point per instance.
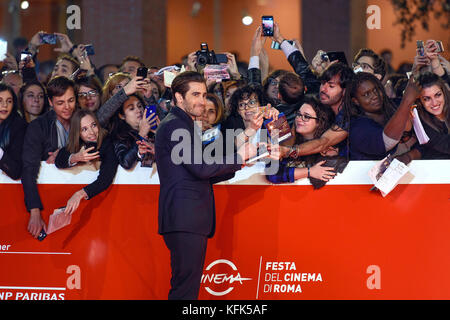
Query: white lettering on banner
286,279
4,247
374,20
22,295
374,281
221,278
74,280
74,20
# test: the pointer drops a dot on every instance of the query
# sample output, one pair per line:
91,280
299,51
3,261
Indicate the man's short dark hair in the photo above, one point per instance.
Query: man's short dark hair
58,86
345,74
378,63
131,58
181,83
291,88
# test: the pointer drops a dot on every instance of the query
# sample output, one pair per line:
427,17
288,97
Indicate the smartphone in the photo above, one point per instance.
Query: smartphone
48,38
151,109
24,55
267,26
440,46
337,55
89,49
420,47
221,58
90,144
42,235
142,72
3,49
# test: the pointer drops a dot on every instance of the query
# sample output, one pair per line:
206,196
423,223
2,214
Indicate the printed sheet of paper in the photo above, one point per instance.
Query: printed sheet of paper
390,178
418,128
57,220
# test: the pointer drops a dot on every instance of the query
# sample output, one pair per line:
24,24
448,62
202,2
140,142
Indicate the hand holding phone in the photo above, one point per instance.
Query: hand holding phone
149,111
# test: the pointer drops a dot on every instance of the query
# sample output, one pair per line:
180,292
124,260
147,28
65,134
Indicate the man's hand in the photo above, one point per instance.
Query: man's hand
134,85
35,223
192,62
247,151
257,42
52,156
277,34
65,42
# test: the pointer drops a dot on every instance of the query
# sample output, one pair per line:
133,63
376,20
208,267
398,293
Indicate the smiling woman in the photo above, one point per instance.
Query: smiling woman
434,112
87,143
375,126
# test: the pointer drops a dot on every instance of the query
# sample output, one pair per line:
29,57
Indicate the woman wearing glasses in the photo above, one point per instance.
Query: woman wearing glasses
311,121
88,91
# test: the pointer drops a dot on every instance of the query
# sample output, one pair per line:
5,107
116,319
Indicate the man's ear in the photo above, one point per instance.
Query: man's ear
50,102
179,98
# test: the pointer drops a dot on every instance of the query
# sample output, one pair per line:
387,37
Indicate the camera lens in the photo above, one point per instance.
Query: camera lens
202,60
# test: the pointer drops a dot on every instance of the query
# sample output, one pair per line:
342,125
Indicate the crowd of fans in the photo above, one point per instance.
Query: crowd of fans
69,112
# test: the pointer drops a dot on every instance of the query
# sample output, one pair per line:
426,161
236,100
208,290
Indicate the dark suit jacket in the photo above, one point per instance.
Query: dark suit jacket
186,199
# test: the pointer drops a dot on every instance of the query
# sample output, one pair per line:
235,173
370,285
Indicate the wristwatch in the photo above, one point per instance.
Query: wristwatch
293,152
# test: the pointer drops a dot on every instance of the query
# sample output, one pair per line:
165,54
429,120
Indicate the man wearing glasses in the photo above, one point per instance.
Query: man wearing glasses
366,60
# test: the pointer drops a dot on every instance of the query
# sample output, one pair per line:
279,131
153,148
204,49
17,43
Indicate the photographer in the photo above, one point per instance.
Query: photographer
88,142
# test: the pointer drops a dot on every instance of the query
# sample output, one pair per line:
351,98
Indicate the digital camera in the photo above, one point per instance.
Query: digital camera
204,56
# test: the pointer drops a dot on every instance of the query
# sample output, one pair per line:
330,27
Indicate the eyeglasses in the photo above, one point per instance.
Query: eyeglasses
89,94
304,117
274,82
363,65
248,105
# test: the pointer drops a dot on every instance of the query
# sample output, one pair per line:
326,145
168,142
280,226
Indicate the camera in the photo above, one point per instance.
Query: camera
204,56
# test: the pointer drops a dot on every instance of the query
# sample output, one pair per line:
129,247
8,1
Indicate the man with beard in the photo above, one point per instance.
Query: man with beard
333,82
186,216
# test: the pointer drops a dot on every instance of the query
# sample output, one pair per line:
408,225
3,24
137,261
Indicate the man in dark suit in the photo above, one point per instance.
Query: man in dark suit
186,201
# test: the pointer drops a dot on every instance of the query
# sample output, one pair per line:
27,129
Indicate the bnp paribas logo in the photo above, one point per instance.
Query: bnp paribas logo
223,282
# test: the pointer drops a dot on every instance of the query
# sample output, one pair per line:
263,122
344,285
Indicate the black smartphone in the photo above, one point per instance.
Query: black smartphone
89,49
337,55
48,38
90,144
142,72
42,235
267,26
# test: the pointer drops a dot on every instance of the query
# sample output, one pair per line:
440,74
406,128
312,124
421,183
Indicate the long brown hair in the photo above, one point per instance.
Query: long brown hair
427,80
75,143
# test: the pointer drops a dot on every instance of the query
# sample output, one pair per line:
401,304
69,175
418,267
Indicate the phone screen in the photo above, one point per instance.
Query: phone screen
142,72
267,26
3,49
89,49
24,55
48,38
